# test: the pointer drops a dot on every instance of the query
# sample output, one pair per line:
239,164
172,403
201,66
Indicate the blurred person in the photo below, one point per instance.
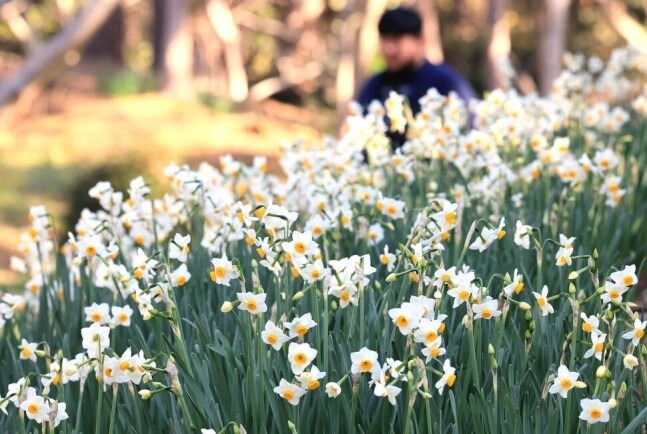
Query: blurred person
408,72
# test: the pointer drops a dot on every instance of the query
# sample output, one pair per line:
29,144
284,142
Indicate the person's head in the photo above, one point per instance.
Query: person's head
401,41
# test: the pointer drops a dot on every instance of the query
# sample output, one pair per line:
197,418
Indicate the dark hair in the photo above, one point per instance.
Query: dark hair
400,21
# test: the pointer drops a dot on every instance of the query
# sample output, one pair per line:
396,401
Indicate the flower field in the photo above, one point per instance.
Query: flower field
477,280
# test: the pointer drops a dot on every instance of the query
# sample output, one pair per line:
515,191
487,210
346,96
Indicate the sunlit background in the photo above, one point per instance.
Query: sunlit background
109,89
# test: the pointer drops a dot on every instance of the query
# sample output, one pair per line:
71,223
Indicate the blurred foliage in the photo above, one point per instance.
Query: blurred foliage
126,82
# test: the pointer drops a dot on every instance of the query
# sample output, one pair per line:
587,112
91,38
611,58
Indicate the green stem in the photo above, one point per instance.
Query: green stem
97,425
77,426
113,409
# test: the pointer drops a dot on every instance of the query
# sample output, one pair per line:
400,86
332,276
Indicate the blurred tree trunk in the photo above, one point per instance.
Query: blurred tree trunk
626,26
498,44
227,30
177,48
44,62
552,41
431,30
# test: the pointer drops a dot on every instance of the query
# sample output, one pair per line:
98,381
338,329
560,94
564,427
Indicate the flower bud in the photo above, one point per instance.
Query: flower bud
573,275
528,315
227,306
391,277
70,370
40,353
298,296
571,289
630,361
601,371
145,394
613,403
490,349
524,306
580,385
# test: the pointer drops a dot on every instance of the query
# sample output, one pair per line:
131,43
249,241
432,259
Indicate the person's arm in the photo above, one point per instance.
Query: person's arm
464,89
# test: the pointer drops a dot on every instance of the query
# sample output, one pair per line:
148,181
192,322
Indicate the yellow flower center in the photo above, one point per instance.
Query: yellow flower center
300,359
365,365
25,352
486,313
541,301
300,247
402,321
260,212
316,274
441,327
587,327
384,259
33,408
345,296
566,383
252,305
90,250
125,365
221,271
628,280
344,219
391,209
301,330
464,294
288,394
445,277
96,316
123,317
614,293
451,379
518,287
313,384
139,240
640,333
595,413
598,347
431,336
272,338
181,280
450,218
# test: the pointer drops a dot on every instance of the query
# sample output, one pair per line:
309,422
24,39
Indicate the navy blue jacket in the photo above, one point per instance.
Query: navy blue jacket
414,84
